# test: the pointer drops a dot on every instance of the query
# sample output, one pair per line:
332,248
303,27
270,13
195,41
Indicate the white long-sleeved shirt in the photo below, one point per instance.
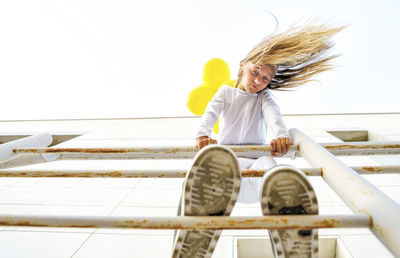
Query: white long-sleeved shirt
243,117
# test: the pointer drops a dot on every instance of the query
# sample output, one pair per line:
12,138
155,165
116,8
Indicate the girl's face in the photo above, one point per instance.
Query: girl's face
256,78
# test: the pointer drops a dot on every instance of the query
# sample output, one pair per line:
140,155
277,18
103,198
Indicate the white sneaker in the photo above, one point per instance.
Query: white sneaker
287,191
211,189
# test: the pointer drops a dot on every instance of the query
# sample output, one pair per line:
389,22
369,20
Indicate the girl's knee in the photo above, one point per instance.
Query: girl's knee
264,162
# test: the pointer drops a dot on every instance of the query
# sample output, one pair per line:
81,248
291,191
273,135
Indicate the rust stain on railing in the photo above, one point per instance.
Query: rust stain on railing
57,174
280,223
252,173
111,174
377,169
362,146
26,223
188,223
260,173
164,150
152,150
172,173
327,223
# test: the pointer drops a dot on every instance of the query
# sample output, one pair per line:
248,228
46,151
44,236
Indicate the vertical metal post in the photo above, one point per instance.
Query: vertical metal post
361,196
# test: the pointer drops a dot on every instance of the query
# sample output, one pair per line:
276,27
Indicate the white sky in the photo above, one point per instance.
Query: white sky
122,59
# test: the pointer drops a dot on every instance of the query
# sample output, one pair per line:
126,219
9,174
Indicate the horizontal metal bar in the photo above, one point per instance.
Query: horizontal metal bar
139,150
190,222
363,148
185,152
96,173
28,159
360,195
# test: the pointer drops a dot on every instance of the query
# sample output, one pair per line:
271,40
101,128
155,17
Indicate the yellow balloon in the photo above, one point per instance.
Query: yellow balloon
216,127
198,99
216,72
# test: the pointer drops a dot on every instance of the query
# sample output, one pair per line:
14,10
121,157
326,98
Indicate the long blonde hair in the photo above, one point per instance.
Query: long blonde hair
298,54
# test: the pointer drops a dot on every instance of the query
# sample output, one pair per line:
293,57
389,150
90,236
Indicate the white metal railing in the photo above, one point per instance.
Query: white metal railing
185,152
360,195
130,173
190,222
8,157
372,208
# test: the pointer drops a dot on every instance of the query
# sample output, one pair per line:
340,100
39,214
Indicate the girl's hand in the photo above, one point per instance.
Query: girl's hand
204,141
280,146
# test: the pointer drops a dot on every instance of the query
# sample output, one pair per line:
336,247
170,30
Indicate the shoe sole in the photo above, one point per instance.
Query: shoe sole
286,190
211,189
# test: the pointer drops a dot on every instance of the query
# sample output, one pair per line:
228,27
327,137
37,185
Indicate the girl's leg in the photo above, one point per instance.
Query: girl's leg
250,186
211,189
245,163
263,162
287,191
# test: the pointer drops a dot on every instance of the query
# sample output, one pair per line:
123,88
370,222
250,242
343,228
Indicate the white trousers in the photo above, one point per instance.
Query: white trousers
250,186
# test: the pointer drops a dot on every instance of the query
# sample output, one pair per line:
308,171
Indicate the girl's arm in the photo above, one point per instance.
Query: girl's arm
209,118
203,141
272,116
280,146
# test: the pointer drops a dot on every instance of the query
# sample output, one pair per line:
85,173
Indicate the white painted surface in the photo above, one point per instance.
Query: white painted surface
157,197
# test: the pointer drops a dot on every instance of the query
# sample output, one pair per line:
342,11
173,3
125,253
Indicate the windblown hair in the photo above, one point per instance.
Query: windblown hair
297,54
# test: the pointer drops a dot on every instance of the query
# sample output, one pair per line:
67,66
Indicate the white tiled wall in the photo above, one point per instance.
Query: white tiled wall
155,197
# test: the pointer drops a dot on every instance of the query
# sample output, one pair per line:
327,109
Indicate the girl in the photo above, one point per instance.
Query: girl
279,62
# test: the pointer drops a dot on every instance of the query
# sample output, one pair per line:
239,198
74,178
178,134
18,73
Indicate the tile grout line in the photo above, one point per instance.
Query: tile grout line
96,229
133,188
84,242
8,186
123,199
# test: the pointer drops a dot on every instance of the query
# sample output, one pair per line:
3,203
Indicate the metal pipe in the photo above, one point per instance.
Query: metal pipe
189,222
104,173
181,152
28,159
186,152
363,148
360,195
39,140
8,158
